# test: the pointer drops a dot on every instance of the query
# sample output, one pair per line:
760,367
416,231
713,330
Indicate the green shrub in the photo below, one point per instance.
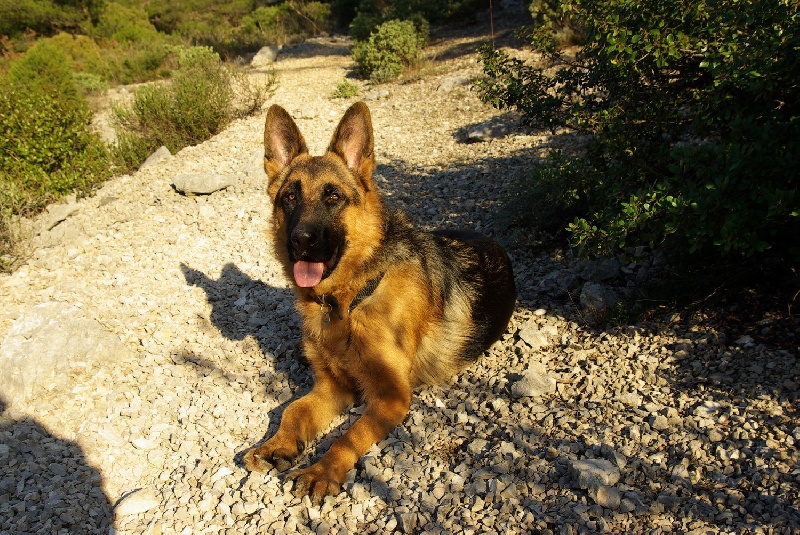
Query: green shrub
83,54
44,70
46,148
197,104
549,14
133,50
394,46
45,17
123,24
345,89
692,109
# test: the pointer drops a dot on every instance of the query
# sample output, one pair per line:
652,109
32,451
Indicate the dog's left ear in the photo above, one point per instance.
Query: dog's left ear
353,142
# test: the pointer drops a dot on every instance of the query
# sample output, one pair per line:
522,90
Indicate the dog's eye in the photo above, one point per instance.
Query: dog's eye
291,197
333,197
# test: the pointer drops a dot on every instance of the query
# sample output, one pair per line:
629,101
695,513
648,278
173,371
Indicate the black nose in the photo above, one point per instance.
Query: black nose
304,238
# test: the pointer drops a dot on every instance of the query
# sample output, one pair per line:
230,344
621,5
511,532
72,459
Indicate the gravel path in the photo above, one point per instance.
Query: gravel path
560,428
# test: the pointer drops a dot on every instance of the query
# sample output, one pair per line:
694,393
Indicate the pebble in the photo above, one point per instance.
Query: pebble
161,155
608,497
201,183
594,473
138,501
533,384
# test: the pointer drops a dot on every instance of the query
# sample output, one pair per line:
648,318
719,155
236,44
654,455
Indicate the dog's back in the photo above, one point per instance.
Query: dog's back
472,293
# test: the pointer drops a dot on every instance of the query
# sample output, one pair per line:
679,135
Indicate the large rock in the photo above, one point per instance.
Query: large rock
265,57
537,337
201,183
161,155
452,82
593,473
599,270
138,501
559,283
597,298
56,213
47,344
534,383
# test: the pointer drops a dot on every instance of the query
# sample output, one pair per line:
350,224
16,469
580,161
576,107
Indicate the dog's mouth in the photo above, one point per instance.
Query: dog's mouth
308,272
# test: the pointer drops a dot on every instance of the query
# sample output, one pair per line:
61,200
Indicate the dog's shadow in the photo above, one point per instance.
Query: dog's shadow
243,307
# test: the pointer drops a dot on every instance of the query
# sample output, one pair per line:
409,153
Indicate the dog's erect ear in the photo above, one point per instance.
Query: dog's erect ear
283,142
353,142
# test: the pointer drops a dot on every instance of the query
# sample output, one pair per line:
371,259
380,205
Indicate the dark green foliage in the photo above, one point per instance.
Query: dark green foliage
394,46
239,26
44,126
369,14
549,14
278,24
134,51
46,147
46,17
693,109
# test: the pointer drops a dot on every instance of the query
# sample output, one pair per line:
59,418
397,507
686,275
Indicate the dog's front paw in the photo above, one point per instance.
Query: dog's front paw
317,481
272,454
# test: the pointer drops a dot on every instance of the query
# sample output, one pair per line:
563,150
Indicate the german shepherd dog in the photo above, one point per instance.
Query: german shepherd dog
384,306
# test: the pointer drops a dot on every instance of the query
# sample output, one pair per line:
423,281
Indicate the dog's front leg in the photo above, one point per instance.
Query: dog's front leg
384,411
302,421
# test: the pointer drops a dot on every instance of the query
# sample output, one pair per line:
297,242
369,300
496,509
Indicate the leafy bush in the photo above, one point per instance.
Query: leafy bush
394,46
345,89
197,104
134,51
549,14
282,23
692,109
45,17
46,147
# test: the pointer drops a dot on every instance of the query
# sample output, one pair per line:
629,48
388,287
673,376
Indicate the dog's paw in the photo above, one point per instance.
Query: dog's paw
271,455
317,481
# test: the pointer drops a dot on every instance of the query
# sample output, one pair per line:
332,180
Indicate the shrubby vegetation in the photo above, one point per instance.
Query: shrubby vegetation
197,104
389,36
53,53
236,27
693,111
46,17
345,89
46,149
394,46
364,16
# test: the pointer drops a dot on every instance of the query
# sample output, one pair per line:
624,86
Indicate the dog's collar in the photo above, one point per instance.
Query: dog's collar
365,292
328,303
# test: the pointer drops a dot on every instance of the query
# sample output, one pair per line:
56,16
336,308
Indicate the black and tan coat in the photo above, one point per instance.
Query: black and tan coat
385,307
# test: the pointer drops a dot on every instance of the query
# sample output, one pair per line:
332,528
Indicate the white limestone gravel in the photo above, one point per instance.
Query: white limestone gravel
668,427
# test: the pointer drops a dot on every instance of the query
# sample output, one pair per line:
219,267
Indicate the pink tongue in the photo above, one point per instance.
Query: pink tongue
308,274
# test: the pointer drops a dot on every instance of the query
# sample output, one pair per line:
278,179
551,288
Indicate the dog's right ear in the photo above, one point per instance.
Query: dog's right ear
283,142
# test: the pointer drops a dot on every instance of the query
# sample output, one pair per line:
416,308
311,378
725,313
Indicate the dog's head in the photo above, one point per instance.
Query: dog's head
325,207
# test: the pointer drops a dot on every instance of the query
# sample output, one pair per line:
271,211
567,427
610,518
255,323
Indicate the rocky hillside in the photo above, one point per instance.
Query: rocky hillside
151,339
